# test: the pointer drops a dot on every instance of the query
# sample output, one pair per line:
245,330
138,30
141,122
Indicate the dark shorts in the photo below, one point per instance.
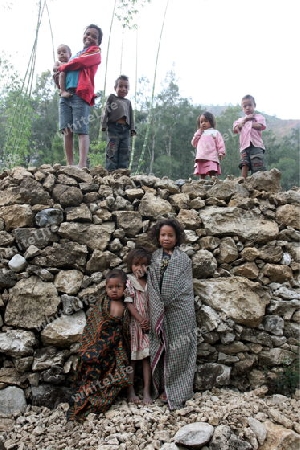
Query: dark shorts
74,114
253,157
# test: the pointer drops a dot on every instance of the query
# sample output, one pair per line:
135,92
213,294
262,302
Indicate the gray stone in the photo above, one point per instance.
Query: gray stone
49,216
194,435
12,400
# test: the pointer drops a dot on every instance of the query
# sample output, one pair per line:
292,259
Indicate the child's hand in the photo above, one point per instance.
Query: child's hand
145,325
221,157
133,133
140,273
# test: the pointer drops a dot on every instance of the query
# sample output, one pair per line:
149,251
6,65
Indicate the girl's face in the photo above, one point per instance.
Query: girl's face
248,106
204,123
139,267
167,238
90,37
115,288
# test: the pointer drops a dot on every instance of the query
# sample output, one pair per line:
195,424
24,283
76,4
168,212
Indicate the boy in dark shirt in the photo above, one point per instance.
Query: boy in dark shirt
119,121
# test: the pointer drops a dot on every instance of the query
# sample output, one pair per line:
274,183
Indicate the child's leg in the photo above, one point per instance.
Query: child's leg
68,145
202,177
83,144
112,148
124,149
62,84
131,395
147,381
245,170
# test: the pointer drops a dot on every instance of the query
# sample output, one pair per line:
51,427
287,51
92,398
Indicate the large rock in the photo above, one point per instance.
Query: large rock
280,438
30,301
153,206
240,299
12,400
16,216
17,342
93,236
247,225
64,330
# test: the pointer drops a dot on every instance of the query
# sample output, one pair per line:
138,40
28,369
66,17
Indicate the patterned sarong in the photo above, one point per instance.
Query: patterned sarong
103,361
173,334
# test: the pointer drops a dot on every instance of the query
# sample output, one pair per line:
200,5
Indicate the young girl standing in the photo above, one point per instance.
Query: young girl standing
103,369
173,332
137,303
210,146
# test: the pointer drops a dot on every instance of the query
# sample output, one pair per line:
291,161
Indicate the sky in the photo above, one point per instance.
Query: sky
219,50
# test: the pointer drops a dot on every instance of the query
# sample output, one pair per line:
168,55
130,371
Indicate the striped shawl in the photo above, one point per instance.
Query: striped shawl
173,334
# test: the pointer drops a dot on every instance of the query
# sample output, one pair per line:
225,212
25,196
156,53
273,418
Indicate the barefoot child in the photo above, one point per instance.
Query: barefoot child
249,128
63,56
137,303
103,369
210,146
173,332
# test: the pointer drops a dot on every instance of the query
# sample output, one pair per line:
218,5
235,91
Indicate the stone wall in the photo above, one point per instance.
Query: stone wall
62,228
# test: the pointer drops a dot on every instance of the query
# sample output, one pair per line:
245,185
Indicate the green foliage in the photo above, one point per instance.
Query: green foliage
127,11
31,137
97,153
18,129
285,380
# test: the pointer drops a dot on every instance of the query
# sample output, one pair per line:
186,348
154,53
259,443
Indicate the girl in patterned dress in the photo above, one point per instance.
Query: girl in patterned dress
137,303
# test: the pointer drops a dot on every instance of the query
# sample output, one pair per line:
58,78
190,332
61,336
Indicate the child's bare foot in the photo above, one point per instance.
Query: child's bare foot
163,397
132,397
147,399
65,94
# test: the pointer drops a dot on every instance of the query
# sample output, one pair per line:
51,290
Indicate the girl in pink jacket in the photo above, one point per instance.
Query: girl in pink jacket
210,146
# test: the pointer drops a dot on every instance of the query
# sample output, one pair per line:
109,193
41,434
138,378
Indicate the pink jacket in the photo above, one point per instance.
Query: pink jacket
248,134
210,145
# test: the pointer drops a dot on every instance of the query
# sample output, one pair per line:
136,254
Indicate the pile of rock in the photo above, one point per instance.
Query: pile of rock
62,228
217,420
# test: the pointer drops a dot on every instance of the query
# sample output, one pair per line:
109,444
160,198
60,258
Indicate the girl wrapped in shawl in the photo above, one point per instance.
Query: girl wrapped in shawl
173,333
103,353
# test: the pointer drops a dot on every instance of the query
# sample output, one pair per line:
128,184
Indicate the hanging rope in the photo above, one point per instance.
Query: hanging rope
18,129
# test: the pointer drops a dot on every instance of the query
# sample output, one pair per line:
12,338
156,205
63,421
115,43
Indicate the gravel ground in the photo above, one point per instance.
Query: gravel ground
136,427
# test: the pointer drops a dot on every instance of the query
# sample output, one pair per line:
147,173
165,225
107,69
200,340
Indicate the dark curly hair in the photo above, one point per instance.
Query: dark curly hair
136,255
121,77
208,116
117,273
249,97
100,34
177,227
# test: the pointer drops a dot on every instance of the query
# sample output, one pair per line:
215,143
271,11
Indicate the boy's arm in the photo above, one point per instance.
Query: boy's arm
91,57
108,107
259,122
132,125
237,126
